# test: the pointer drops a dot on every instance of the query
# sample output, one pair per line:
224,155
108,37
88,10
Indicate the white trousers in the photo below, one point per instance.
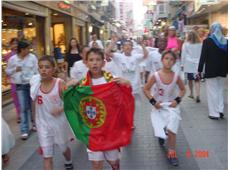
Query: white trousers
215,95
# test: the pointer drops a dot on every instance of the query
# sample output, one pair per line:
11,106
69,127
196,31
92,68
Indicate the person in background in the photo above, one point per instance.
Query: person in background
214,56
8,141
191,51
73,53
162,40
79,69
13,48
98,42
21,67
174,44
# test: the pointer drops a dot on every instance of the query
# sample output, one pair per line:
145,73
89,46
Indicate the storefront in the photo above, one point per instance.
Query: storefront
21,20
60,30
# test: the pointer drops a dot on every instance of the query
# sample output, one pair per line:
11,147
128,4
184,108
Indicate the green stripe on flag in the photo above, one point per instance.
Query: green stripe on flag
72,97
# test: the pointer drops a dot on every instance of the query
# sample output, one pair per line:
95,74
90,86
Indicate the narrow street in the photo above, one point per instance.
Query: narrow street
197,133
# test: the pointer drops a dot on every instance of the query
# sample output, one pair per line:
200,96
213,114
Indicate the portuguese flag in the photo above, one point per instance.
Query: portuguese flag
101,116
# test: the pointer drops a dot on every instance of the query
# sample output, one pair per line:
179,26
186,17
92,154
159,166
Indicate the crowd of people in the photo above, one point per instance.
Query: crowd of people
158,69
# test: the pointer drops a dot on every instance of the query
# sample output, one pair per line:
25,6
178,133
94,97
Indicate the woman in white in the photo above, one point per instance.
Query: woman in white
191,51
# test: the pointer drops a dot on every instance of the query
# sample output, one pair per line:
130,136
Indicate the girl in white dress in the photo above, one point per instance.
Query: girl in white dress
165,115
52,126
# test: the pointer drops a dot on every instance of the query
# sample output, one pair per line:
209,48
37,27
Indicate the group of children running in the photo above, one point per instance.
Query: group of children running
164,90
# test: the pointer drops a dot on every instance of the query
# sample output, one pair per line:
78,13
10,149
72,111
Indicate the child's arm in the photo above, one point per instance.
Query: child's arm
122,81
72,82
181,86
147,90
33,111
59,108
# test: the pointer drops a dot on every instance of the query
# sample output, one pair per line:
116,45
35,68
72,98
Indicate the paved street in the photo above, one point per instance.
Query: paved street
196,133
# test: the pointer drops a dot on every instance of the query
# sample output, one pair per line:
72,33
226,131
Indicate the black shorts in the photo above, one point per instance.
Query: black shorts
193,76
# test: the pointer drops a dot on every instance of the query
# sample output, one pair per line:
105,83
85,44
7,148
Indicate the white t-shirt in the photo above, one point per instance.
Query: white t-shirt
129,66
99,43
29,66
98,81
153,61
79,70
113,68
190,56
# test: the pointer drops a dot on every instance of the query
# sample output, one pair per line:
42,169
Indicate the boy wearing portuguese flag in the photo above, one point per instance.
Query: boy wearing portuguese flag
100,112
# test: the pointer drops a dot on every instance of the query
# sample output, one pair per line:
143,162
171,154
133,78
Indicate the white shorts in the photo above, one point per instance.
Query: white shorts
48,151
111,155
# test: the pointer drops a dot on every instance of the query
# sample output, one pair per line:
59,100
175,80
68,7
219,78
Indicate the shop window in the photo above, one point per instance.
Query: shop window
59,36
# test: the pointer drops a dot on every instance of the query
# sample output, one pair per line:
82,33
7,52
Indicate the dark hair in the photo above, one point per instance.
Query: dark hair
168,52
22,45
70,47
13,39
127,41
97,51
49,59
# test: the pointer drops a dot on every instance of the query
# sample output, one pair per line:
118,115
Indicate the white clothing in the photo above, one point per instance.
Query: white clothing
215,95
177,67
110,155
51,129
153,62
152,49
79,70
99,43
129,66
190,57
29,66
166,117
98,81
48,151
112,68
35,83
8,140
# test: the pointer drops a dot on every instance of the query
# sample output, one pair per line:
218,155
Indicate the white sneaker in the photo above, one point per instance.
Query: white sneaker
24,136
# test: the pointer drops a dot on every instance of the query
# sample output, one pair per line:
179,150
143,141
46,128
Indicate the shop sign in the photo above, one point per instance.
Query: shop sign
64,5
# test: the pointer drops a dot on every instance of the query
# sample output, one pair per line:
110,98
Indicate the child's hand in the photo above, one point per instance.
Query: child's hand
72,82
158,105
121,81
173,104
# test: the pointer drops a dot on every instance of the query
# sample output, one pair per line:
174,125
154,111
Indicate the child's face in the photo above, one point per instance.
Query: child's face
95,63
46,69
127,47
168,61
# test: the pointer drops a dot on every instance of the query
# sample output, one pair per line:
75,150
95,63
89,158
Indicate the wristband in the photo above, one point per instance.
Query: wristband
178,99
152,101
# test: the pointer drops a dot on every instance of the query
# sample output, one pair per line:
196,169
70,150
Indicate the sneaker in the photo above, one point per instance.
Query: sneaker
191,96
221,115
161,141
69,166
213,118
24,136
173,161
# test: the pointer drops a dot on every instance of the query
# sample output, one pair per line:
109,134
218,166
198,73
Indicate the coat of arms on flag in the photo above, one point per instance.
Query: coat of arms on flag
101,116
